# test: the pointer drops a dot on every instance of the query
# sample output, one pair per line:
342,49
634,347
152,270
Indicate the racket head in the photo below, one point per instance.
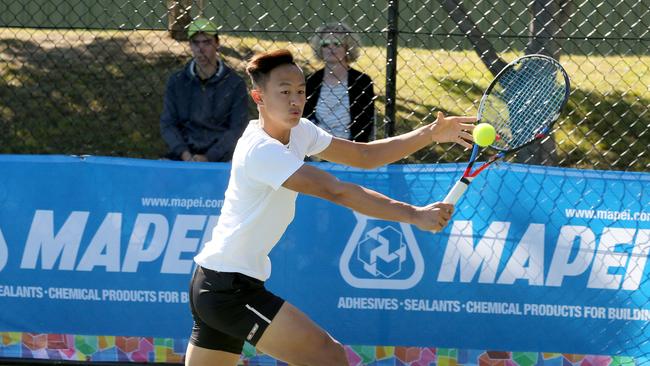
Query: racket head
524,100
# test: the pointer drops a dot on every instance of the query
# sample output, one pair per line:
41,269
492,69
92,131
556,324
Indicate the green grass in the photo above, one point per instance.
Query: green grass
100,93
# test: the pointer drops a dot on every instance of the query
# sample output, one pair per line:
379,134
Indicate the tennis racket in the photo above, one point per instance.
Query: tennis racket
522,103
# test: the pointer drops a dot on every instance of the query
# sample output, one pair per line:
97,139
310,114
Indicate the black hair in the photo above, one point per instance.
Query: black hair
261,64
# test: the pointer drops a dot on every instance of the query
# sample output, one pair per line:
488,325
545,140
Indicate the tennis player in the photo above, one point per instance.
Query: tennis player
228,299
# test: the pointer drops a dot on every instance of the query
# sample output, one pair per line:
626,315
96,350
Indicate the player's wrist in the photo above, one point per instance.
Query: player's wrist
433,135
414,215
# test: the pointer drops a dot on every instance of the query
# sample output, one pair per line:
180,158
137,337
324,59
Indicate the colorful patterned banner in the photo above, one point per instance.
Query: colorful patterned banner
160,350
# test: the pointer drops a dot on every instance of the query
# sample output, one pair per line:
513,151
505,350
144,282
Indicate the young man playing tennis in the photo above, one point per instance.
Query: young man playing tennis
228,300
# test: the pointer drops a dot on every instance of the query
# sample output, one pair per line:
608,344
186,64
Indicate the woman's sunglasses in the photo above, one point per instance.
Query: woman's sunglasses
330,42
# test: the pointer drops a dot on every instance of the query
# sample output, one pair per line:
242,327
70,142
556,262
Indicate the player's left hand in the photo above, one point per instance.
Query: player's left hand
434,216
456,129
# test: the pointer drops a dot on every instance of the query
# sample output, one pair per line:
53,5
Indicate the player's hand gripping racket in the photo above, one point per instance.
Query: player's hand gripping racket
522,103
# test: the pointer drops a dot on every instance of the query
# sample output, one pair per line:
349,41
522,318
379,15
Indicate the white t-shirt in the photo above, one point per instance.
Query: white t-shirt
257,209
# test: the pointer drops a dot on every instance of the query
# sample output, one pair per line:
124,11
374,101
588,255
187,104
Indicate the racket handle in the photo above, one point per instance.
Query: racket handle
457,191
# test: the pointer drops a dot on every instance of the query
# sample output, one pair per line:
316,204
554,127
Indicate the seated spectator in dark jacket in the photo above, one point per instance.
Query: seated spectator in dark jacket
206,103
340,99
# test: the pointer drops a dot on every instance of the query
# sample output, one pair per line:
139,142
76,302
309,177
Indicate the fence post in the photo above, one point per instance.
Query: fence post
391,67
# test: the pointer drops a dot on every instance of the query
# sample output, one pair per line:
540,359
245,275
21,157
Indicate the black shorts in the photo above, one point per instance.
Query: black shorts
228,309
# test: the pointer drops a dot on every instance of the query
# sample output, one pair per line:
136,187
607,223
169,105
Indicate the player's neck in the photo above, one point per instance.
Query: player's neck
276,129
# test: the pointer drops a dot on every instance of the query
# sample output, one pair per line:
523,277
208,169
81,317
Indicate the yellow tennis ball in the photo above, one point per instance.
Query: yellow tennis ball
484,134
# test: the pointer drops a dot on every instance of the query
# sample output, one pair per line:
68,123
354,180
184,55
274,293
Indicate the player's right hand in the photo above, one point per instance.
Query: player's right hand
434,216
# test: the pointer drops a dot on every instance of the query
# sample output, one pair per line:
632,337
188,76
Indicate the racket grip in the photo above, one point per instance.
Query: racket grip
457,191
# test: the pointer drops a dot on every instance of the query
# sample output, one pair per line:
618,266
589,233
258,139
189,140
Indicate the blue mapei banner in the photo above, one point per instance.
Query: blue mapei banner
535,259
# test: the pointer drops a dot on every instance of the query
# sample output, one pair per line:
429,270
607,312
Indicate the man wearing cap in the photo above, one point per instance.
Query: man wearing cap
205,109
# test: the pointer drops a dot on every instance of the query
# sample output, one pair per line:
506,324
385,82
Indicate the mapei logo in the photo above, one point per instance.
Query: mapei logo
382,252
381,255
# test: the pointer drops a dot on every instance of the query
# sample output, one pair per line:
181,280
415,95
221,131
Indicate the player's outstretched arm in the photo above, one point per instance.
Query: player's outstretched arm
385,151
315,182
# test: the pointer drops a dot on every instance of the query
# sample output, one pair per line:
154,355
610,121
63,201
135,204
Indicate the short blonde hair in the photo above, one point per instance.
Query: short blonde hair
343,31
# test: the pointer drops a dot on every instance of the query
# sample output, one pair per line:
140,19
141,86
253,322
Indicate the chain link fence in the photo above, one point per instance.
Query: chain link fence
81,77
88,77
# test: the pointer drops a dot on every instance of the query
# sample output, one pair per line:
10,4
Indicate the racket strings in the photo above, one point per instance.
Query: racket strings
524,102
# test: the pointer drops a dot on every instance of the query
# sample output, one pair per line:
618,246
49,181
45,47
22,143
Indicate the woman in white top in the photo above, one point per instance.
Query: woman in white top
340,99
228,299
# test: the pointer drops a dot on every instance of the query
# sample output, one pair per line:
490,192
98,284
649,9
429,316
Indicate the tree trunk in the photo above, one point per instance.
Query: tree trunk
178,18
547,20
482,46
